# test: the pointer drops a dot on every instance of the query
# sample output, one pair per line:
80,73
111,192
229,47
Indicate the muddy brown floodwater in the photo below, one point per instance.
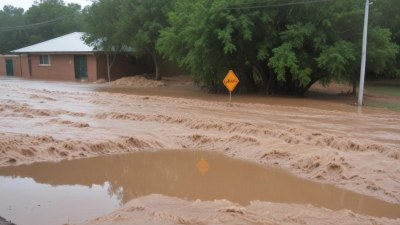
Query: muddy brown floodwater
99,185
321,139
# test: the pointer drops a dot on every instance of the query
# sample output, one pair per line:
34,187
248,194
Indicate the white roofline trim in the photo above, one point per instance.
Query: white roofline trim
72,42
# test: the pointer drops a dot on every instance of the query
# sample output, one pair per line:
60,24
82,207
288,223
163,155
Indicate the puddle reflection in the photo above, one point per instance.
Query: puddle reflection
202,166
197,175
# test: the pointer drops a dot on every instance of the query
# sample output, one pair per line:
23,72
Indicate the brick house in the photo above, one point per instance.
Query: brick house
10,65
69,58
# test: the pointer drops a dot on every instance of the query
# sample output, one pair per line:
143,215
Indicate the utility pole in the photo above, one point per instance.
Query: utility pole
364,55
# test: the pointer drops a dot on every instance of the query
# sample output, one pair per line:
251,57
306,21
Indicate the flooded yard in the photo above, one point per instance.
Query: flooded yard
261,161
72,191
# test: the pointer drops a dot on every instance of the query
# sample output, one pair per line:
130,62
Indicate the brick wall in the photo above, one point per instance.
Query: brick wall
92,67
2,65
169,68
124,65
25,66
16,64
61,68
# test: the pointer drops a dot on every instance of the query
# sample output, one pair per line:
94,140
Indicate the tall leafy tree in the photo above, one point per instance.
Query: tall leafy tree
101,20
317,43
11,37
385,13
128,23
55,19
44,20
140,24
208,38
288,45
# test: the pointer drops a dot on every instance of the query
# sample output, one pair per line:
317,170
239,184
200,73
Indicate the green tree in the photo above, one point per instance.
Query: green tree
101,20
287,45
128,23
140,24
11,37
385,13
207,39
318,43
54,18
45,19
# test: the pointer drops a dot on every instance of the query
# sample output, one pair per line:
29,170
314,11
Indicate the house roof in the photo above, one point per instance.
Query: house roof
68,43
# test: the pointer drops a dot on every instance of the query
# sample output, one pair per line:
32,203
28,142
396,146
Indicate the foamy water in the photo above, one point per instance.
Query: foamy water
325,141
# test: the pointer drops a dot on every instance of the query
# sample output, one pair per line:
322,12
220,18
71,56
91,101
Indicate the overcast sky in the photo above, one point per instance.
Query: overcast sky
26,4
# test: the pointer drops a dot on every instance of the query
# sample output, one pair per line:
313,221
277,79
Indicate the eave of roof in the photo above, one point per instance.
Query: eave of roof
56,53
69,43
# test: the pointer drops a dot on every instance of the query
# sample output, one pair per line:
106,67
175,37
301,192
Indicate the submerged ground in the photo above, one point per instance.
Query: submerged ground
324,139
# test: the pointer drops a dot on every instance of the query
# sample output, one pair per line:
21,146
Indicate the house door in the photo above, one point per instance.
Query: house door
9,67
80,63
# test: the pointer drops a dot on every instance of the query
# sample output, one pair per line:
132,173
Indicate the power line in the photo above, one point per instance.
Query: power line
255,6
262,2
254,2
238,6
35,25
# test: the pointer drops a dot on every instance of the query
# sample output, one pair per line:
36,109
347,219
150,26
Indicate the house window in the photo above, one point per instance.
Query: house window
44,60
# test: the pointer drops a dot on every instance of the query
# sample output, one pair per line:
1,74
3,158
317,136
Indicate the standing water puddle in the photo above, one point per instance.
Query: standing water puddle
76,190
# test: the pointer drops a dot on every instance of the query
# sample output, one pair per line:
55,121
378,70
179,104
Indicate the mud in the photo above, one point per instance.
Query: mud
159,209
138,81
26,201
188,175
319,139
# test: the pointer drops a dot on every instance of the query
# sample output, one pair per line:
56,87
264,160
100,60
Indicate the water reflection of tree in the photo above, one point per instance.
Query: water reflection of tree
127,176
116,191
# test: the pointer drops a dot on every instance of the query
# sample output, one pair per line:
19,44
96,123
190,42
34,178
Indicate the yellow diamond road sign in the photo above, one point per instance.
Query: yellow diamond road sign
230,81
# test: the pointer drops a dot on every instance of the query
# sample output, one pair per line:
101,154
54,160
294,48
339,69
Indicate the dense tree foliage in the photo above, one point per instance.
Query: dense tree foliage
128,23
11,17
102,19
277,46
140,26
44,20
68,19
385,13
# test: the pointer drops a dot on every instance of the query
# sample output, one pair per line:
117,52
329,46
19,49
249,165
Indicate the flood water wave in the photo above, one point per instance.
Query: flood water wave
198,175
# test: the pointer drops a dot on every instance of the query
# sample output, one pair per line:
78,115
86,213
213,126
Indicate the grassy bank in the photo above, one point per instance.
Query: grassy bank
385,94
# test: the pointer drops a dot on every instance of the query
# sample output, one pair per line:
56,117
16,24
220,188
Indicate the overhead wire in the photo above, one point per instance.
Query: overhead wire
262,4
238,6
35,25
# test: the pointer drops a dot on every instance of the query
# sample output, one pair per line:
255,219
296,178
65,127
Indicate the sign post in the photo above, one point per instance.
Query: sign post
230,81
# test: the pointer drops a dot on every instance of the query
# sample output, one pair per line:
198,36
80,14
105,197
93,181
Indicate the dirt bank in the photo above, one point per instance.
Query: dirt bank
159,209
356,149
138,81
